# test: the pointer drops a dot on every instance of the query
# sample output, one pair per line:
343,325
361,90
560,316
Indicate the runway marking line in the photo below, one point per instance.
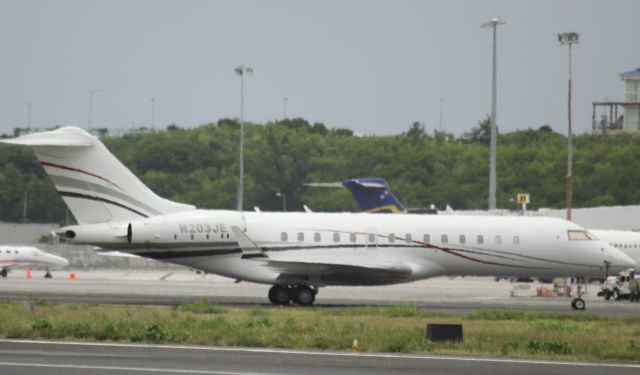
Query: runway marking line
131,369
319,353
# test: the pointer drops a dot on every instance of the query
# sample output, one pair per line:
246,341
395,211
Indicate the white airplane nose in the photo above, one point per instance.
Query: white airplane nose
621,260
60,261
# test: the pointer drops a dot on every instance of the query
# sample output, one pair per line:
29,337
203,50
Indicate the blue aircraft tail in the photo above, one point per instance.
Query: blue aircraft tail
374,195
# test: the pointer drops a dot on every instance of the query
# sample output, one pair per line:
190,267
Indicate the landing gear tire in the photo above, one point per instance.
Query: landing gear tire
4,272
578,304
607,295
279,295
303,295
48,275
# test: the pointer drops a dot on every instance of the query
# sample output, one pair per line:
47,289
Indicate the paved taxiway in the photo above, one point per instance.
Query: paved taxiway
53,358
455,296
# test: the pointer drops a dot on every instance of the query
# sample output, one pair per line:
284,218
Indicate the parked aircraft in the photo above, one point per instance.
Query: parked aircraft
299,252
366,194
29,256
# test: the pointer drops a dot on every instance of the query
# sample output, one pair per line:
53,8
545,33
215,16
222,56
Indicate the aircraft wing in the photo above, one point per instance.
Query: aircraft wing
329,270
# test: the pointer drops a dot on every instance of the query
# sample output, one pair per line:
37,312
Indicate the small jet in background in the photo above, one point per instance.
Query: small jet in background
29,256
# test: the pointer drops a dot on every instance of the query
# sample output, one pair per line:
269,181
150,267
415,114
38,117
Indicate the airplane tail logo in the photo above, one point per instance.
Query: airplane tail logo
373,195
96,187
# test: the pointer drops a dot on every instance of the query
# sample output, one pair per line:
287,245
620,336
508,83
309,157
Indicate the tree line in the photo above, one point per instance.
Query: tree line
200,166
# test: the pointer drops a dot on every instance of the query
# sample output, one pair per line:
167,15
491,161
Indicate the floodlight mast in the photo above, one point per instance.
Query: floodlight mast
569,39
242,71
493,24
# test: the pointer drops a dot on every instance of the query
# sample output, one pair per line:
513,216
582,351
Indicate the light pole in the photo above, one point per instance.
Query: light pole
569,39
91,94
284,200
153,114
242,71
285,108
493,24
28,114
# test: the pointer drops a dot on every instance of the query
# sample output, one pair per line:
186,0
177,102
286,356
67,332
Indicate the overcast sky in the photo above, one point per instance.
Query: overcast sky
371,66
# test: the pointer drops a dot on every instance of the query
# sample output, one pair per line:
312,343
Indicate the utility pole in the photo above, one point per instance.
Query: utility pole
440,117
242,71
91,94
569,39
493,24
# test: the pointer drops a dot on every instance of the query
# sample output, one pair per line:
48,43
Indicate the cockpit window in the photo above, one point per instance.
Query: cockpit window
579,235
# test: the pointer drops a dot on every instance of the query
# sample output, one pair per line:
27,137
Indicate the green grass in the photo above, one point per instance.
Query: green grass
496,333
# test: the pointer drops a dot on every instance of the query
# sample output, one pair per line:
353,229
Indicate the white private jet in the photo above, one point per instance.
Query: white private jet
299,252
29,256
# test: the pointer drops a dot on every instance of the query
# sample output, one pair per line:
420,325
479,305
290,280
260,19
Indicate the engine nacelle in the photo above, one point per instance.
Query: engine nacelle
198,226
100,233
193,227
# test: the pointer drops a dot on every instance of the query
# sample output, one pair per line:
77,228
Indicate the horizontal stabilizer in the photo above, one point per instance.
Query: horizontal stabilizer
61,137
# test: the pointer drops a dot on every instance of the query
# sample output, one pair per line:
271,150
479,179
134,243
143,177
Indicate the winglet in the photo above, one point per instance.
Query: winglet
248,247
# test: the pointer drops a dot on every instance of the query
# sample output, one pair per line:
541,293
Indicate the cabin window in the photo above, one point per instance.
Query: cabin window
516,240
8,252
372,238
426,238
336,237
392,238
579,235
498,240
444,238
407,238
352,237
480,239
316,237
300,236
463,239
283,237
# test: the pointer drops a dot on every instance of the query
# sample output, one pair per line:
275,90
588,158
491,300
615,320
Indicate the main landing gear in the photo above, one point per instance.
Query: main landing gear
302,295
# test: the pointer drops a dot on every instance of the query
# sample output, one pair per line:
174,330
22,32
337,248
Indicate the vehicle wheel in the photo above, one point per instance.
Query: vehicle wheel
48,275
607,295
616,294
4,272
578,304
303,295
279,295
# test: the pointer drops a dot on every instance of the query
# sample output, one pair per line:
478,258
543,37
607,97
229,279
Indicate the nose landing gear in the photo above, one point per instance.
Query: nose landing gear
302,295
578,303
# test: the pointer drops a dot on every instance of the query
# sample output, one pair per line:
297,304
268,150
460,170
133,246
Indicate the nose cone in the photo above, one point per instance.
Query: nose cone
622,260
59,261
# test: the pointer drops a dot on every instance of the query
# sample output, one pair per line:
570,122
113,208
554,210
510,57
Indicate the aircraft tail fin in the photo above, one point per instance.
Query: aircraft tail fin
374,195
95,185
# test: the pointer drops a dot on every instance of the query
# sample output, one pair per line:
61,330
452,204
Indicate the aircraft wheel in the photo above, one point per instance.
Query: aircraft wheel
607,295
303,295
616,294
578,304
48,275
279,295
4,272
